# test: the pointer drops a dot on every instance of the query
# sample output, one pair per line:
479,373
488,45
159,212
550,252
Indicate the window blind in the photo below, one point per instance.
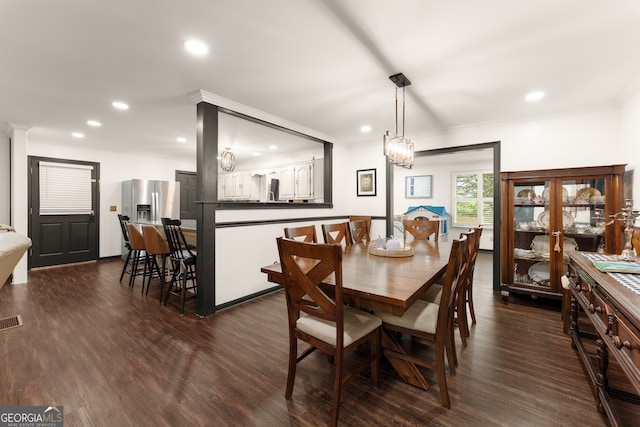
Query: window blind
65,189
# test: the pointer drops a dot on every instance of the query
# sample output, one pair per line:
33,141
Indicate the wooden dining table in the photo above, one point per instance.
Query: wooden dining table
390,284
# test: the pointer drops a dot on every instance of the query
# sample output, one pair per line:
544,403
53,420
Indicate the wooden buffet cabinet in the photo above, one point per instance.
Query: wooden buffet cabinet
548,213
605,331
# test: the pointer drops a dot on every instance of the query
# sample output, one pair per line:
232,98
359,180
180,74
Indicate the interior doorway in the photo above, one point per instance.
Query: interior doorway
188,191
490,153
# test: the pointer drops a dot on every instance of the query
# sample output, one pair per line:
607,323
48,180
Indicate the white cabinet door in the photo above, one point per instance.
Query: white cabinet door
304,181
287,183
228,186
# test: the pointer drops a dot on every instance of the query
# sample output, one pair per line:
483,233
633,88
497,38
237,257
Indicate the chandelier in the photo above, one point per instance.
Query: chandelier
227,160
397,148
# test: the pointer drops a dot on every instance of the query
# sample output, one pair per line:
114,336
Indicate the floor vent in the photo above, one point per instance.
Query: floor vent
10,322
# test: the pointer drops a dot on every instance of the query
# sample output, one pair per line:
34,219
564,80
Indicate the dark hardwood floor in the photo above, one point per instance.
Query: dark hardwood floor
112,357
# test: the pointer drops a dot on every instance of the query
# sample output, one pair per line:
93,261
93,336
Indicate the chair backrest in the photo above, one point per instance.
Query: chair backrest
367,219
472,238
154,243
136,241
420,229
304,266
453,281
635,240
124,220
175,239
337,233
359,231
307,232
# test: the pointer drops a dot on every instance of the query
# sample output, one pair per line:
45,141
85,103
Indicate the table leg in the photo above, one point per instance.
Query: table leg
407,370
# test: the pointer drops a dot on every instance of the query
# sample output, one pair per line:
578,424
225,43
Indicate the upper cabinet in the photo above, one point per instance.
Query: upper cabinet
546,214
300,181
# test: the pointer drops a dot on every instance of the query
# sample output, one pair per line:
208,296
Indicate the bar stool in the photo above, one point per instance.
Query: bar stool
155,246
124,220
183,262
136,241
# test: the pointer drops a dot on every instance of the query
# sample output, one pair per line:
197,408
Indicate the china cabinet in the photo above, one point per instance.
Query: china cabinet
548,213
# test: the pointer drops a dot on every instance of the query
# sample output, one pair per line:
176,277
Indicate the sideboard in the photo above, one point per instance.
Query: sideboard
605,331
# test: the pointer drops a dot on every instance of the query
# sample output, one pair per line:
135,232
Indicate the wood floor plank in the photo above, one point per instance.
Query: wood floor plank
114,357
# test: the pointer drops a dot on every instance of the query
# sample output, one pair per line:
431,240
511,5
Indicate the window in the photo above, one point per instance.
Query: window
65,189
473,199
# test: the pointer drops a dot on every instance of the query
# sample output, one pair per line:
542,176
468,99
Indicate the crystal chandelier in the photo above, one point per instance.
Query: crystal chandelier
397,148
227,160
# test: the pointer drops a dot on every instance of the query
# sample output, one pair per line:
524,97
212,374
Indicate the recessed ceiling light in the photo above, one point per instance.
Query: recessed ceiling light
181,139
256,154
365,129
196,47
77,135
94,123
273,147
534,96
120,105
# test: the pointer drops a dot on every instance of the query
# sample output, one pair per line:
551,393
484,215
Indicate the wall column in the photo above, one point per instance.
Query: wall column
19,191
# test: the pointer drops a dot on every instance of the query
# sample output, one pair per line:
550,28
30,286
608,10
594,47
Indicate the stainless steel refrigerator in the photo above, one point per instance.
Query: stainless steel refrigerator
146,201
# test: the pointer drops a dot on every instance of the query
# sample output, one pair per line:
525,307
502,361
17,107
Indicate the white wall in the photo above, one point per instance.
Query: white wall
5,190
572,140
630,129
115,167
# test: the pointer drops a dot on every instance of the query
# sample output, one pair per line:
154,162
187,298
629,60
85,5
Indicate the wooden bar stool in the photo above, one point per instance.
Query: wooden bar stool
155,246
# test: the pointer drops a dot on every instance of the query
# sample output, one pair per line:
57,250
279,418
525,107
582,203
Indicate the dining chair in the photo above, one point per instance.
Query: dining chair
337,233
156,246
124,220
434,322
183,262
359,231
420,229
324,323
136,241
307,232
367,219
468,294
465,294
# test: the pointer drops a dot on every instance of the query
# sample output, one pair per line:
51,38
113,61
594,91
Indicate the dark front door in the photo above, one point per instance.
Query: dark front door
188,182
63,208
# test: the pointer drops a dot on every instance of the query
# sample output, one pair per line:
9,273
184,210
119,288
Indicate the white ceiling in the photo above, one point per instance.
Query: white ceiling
321,63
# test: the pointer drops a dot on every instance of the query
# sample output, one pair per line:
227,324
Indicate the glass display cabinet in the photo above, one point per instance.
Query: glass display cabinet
546,214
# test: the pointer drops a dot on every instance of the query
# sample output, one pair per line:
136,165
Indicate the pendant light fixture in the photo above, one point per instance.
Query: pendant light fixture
227,160
397,148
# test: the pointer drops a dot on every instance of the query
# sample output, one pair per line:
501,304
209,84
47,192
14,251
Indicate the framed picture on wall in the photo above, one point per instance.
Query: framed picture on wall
419,187
366,182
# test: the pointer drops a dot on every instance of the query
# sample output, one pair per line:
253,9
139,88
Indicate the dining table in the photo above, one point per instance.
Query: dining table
386,283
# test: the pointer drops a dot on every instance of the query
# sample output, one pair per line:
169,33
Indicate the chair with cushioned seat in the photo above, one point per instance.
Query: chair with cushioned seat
367,220
322,322
307,232
156,246
359,231
337,233
434,322
465,295
421,229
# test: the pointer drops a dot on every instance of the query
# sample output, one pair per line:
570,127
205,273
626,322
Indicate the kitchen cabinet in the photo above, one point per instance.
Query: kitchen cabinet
299,180
548,213
238,186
